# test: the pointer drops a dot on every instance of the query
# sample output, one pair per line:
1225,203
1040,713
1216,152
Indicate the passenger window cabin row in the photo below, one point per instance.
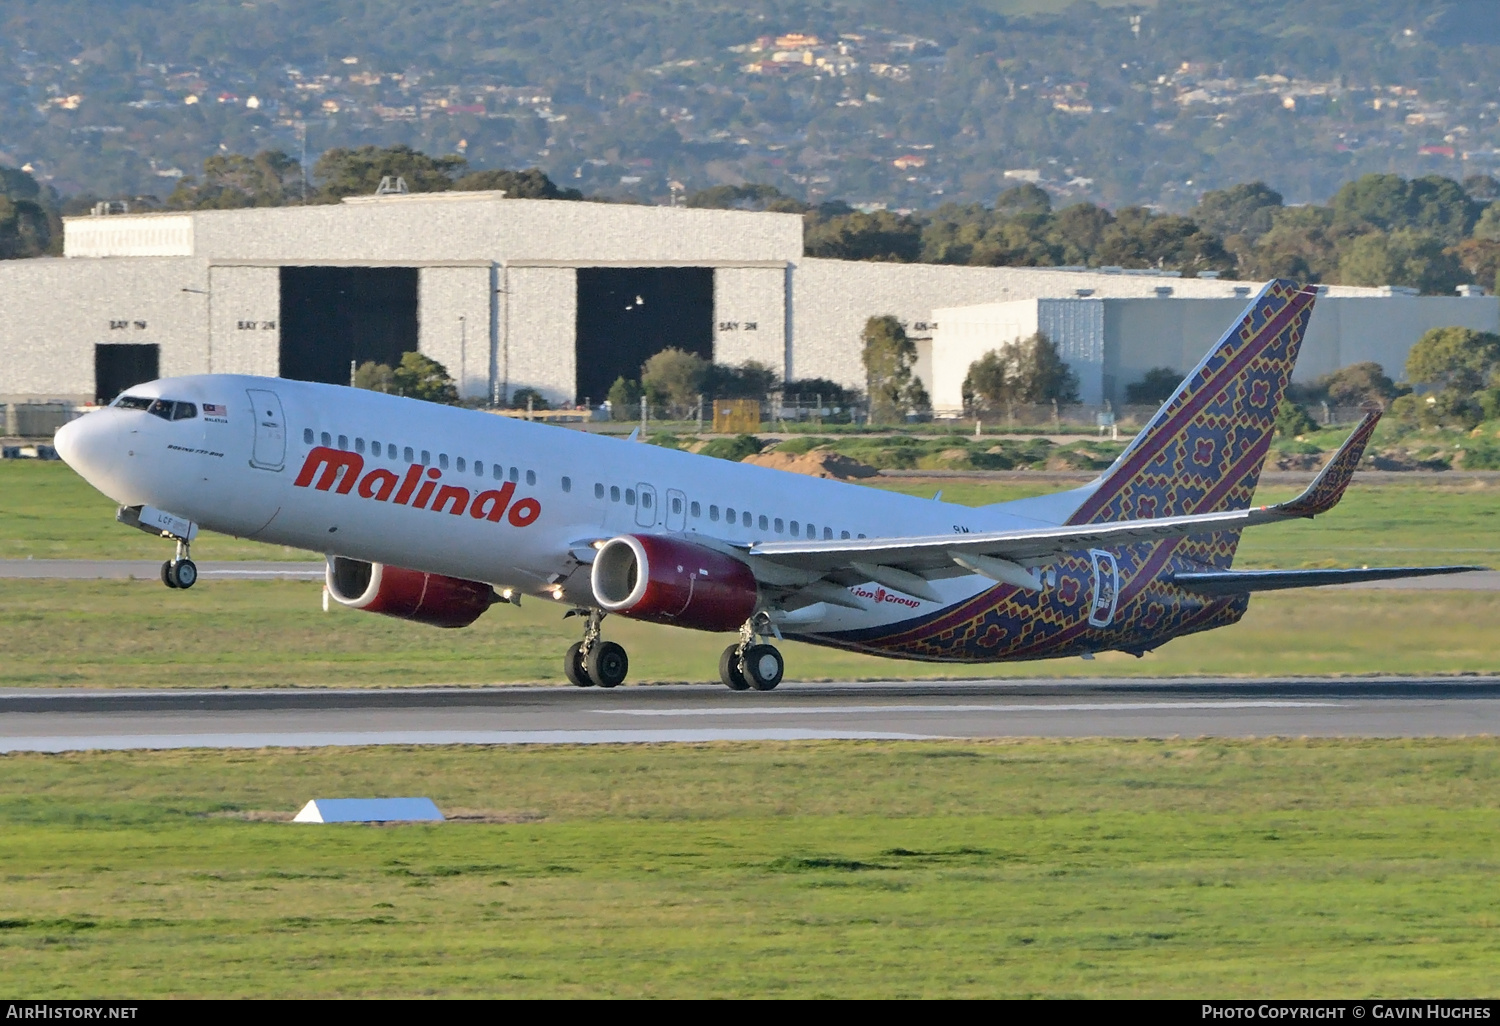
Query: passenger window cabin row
729,516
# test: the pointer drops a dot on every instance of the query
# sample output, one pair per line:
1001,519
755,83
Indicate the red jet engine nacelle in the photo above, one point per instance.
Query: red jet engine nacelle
407,594
666,580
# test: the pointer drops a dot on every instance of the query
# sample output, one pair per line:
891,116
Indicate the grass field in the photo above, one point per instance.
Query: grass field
1318,869
48,512
268,634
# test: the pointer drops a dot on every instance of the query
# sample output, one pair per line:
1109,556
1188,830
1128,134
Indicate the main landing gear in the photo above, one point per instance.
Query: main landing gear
751,664
593,661
180,571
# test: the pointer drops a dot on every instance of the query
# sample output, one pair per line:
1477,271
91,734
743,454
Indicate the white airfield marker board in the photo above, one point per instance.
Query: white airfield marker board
369,810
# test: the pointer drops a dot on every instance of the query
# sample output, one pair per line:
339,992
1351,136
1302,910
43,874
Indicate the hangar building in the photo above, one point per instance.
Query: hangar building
563,297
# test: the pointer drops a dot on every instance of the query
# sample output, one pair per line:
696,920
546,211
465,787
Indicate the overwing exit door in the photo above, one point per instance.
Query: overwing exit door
269,452
645,509
676,510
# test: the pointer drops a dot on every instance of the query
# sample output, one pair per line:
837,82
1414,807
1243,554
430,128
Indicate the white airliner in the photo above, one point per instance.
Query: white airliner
432,513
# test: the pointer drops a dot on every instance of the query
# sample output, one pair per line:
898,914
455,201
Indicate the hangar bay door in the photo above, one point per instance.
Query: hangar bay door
626,315
334,316
119,365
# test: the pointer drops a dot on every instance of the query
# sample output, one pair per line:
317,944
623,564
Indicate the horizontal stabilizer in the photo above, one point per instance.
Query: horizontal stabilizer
1241,582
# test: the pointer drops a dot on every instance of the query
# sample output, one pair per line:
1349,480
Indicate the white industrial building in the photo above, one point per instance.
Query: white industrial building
1112,342
563,297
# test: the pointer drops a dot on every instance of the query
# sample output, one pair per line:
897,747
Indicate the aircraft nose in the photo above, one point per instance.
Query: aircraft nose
84,444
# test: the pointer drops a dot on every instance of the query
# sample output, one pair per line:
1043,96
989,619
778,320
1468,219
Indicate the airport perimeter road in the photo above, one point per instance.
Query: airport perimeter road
249,570
50,721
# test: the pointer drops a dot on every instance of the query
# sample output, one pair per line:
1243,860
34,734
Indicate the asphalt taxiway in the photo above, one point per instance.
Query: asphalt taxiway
65,720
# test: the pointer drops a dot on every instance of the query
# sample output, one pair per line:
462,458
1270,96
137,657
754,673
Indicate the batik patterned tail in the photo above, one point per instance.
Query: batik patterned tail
1202,452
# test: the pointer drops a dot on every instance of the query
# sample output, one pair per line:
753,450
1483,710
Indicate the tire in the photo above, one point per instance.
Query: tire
184,573
729,670
167,577
763,667
608,664
577,673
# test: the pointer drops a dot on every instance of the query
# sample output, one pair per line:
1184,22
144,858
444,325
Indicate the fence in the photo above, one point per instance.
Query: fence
35,420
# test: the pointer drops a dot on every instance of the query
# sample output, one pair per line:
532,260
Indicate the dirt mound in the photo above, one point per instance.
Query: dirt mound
1300,460
818,463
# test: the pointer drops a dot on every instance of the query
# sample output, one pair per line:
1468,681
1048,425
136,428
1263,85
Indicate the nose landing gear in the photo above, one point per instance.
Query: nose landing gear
180,571
592,661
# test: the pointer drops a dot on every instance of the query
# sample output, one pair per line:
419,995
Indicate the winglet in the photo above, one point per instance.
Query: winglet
1328,487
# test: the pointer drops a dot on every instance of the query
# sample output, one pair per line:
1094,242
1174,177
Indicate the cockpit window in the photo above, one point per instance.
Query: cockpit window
168,409
132,402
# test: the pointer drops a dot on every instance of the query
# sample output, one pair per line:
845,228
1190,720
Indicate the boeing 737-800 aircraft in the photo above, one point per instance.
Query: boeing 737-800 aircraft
432,513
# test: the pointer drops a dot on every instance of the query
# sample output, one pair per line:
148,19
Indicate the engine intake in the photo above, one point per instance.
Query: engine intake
407,594
670,581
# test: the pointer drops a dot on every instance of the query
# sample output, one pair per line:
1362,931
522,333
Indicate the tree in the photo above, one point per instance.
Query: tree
528,399
624,398
674,377
880,236
1454,359
421,377
750,380
1431,204
1157,385
746,197
1482,188
1024,199
1358,384
832,392
1139,238
888,356
988,384
357,172
1488,225
1245,211
1027,371
532,183
1403,257
26,224
1041,374
376,377
1292,420
230,181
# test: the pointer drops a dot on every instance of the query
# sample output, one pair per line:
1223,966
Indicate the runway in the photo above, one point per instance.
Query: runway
67,720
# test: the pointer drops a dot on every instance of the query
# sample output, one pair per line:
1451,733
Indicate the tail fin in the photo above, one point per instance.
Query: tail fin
1202,451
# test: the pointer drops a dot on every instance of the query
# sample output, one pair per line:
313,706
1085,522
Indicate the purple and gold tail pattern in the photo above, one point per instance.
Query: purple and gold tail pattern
1202,452
1326,491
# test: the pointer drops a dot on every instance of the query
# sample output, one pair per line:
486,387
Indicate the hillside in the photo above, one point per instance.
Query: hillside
908,104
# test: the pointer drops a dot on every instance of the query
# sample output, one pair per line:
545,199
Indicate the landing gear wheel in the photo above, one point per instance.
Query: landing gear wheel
729,670
166,575
184,573
762,667
577,673
608,664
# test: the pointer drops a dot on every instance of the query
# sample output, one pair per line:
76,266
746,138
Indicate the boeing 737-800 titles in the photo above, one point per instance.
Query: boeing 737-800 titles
432,513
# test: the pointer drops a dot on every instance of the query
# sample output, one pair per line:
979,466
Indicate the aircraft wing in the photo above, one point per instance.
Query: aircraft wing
1008,556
